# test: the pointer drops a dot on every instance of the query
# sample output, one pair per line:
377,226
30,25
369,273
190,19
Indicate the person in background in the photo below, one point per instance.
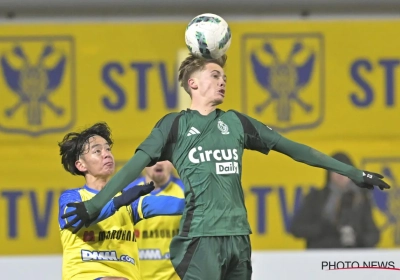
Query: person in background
337,216
155,235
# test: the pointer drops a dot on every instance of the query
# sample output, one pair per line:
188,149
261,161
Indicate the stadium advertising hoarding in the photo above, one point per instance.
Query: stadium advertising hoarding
331,85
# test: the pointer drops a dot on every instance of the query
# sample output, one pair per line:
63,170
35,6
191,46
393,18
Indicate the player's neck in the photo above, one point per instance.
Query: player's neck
96,183
157,185
203,109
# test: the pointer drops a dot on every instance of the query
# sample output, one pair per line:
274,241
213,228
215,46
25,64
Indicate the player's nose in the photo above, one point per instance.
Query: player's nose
107,154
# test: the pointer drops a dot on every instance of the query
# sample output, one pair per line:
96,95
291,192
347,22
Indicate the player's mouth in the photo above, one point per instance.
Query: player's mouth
222,92
109,164
159,170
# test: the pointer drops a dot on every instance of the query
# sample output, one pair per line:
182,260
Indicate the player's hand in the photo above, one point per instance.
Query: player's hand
371,180
82,217
129,196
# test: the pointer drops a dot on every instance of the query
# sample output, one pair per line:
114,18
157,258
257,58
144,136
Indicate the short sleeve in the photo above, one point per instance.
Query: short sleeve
65,198
257,136
157,145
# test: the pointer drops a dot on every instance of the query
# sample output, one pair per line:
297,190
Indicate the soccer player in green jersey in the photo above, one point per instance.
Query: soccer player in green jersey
206,145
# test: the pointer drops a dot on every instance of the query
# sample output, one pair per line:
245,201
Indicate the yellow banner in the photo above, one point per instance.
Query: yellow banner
332,85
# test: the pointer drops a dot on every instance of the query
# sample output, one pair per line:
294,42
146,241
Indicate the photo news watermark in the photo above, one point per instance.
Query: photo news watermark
341,265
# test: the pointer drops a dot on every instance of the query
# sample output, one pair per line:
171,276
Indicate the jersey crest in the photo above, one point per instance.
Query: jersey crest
223,127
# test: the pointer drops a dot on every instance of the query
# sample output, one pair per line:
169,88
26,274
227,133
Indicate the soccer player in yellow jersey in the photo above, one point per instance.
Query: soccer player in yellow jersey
154,235
107,248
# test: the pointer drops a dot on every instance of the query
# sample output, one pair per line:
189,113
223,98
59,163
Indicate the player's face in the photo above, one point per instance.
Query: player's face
97,159
160,172
211,83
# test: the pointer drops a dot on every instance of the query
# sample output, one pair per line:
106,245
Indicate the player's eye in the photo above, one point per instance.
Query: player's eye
108,149
97,151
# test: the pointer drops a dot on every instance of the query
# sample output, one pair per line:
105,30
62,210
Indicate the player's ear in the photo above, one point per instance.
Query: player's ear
80,165
192,83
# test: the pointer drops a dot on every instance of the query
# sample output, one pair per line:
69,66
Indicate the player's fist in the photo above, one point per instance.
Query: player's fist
80,217
371,180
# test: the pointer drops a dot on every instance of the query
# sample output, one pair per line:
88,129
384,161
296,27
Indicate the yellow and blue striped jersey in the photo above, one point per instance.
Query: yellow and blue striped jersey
154,236
108,247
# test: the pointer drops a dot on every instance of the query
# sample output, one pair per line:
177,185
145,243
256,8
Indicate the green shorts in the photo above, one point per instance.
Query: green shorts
212,258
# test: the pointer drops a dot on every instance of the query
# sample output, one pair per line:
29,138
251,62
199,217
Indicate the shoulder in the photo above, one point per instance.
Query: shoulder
71,195
138,181
238,115
246,122
169,119
235,113
178,182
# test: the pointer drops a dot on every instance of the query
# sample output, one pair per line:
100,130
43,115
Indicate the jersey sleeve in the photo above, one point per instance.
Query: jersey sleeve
257,136
305,154
71,196
107,211
156,145
150,206
66,197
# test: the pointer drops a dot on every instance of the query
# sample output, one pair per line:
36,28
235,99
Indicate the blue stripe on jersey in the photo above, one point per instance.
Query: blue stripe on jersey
162,205
138,181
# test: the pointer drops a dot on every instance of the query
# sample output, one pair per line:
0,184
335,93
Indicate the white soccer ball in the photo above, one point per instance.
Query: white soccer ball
208,36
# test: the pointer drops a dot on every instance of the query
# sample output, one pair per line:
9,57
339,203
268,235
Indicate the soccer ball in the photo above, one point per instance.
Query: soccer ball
208,36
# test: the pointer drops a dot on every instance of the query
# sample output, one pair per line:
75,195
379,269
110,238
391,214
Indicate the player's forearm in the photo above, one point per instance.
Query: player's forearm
124,177
310,156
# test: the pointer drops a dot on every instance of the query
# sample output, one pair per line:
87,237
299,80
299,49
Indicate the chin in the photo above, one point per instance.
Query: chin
158,179
218,101
109,172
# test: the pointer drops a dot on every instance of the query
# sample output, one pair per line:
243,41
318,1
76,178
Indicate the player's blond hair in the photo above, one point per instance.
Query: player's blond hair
194,64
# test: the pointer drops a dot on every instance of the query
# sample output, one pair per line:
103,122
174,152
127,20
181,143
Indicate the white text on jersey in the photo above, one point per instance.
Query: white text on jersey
227,167
104,256
152,254
208,155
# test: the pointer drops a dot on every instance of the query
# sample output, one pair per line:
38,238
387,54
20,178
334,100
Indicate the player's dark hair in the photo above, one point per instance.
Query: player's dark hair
193,64
74,143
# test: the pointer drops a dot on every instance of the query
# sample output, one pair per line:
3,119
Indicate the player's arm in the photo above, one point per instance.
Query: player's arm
72,197
263,139
125,199
69,196
310,156
162,205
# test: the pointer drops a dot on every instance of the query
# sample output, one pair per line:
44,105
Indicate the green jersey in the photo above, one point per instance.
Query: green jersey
207,153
